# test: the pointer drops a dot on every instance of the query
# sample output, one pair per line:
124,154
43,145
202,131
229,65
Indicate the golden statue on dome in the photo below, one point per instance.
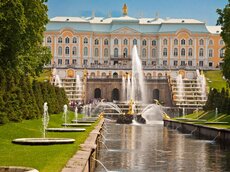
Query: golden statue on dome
125,10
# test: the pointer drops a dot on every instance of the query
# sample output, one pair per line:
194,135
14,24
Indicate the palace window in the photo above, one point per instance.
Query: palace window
175,52
49,40
210,42
210,53
143,52
66,61
67,40
59,40
85,62
134,42
59,61
74,52
175,63
182,42
85,41
190,52
182,63
66,50
106,42
182,52
221,53
201,42
165,52
221,42
189,63
74,40
165,42
85,51
144,42
60,51
106,52
96,53
125,42
164,62
74,61
190,42
201,63
154,43
115,41
96,42
201,52
154,52
115,52
125,53
175,42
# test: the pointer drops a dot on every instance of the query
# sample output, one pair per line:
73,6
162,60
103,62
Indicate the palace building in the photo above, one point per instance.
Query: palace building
98,50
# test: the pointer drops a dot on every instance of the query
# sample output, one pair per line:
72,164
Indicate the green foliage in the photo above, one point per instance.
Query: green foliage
224,21
215,79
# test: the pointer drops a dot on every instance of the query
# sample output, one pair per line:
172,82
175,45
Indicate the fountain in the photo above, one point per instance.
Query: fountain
123,89
128,88
57,81
180,88
201,82
65,111
43,140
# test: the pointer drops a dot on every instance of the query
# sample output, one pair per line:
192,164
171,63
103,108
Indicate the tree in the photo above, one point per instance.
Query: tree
224,21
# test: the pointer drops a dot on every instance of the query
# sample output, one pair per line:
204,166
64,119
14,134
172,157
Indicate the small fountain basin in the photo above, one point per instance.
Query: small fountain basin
42,141
76,124
65,129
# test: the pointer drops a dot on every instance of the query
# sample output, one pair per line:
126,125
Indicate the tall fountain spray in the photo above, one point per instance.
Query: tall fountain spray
180,88
123,89
138,84
128,88
45,119
76,113
57,81
65,110
201,82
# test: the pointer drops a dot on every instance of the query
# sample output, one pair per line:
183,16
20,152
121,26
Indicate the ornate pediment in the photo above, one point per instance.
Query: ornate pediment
125,31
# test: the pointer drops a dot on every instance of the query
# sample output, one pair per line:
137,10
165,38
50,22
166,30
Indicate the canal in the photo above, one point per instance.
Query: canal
148,148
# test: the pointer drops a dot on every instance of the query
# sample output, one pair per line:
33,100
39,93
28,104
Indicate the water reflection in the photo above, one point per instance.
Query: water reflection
156,148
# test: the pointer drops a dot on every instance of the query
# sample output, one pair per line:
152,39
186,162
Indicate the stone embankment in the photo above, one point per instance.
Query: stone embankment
83,160
200,131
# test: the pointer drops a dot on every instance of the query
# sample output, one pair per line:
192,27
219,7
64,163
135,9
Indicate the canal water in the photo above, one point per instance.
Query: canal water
149,148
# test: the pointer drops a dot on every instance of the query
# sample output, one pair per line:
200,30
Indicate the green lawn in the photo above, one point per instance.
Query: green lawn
50,158
45,76
215,79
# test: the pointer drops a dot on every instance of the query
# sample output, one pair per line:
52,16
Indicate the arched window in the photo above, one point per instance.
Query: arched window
190,52
97,93
96,42
59,40
115,52
116,41
115,94
175,41
125,53
96,53
165,52
67,50
85,40
74,52
182,52
144,52
210,53
49,40
85,51
106,42
165,42
59,50
154,52
115,75
210,42
125,42
201,42
190,42
67,40
175,52
134,42
182,42
154,43
201,52
222,53
74,40
106,52
144,43
103,75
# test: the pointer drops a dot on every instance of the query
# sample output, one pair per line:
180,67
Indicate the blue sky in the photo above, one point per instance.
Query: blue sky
204,10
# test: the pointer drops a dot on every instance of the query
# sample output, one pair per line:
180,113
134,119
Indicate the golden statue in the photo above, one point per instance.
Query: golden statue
131,107
125,10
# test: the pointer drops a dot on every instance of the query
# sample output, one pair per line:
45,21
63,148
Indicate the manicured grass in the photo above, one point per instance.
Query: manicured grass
45,76
50,158
215,79
208,117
